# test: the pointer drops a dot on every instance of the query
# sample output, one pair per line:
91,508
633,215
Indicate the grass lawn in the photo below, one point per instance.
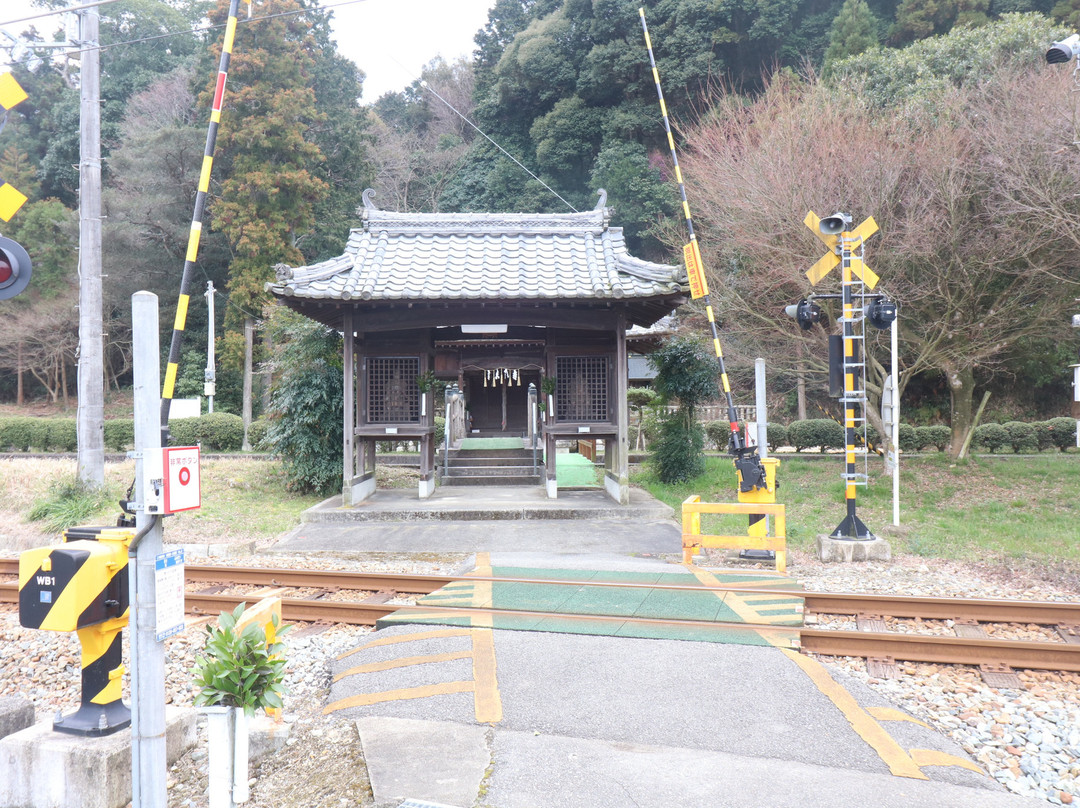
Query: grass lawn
985,507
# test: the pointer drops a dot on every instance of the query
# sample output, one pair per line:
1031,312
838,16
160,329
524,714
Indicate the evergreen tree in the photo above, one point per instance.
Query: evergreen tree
268,160
854,30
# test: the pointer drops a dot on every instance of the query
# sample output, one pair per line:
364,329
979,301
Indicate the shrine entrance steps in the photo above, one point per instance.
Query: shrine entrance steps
491,461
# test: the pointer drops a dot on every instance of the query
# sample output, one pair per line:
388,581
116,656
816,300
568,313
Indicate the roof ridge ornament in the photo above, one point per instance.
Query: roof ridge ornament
602,202
284,272
369,199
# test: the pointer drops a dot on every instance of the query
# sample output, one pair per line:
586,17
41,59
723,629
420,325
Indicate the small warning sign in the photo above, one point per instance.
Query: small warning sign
695,271
183,491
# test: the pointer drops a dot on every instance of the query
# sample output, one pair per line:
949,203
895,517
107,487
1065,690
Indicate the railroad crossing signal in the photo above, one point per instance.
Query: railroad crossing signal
11,94
14,268
832,240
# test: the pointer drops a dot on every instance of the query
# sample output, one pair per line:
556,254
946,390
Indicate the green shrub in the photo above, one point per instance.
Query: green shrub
909,440
824,433
777,436
936,435
1063,431
184,432
1044,435
15,434
440,431
307,402
257,435
873,439
717,435
38,429
990,436
119,434
678,452
239,668
63,436
221,432
1022,437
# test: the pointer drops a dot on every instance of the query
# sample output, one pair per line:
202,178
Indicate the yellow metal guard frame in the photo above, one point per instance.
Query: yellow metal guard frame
693,539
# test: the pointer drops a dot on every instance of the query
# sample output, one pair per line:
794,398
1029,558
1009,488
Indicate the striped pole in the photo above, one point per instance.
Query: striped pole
747,464
852,527
737,444
169,384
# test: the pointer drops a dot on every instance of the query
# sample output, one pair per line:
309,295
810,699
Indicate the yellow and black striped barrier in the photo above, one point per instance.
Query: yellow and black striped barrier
195,232
82,586
750,470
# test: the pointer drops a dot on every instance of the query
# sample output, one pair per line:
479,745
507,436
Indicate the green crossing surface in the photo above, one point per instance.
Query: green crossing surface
638,600
573,470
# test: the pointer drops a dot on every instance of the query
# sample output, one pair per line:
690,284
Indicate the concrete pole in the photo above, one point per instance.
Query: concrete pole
90,421
148,766
762,415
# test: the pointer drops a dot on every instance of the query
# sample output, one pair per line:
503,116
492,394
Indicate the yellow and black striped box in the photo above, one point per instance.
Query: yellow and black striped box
80,583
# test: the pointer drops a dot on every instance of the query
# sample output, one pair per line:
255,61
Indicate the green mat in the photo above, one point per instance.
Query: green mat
575,471
782,613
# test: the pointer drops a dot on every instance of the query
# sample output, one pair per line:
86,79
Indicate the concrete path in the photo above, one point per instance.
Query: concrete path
472,717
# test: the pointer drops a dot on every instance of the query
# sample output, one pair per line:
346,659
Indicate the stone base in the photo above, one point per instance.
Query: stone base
840,550
16,713
266,737
42,768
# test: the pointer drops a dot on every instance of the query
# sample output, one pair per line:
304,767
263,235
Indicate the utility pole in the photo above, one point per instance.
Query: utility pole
90,422
211,369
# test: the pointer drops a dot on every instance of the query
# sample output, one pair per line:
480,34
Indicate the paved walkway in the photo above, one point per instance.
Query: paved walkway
469,715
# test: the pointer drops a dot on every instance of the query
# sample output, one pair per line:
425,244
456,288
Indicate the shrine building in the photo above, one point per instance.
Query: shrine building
494,303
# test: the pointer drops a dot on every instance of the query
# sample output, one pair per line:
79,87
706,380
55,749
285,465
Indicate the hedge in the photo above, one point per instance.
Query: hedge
990,436
824,433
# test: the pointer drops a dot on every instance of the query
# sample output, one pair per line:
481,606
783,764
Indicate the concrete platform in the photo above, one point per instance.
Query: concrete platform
41,768
489,503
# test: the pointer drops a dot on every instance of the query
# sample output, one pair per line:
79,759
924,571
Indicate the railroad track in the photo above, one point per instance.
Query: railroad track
985,651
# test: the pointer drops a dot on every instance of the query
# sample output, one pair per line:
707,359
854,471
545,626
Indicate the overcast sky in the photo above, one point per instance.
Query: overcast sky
390,40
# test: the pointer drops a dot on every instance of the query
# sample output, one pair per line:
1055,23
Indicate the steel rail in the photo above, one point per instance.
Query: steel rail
1042,612
980,610
829,642
947,650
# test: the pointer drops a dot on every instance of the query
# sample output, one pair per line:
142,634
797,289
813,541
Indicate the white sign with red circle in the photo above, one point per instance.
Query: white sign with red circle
182,483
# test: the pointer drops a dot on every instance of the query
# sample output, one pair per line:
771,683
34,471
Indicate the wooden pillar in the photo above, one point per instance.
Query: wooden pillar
348,440
617,450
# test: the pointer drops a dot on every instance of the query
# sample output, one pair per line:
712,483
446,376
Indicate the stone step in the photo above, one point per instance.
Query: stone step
532,479
492,471
461,461
490,453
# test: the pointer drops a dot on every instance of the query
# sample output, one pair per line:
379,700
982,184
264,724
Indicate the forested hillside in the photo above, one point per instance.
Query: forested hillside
938,118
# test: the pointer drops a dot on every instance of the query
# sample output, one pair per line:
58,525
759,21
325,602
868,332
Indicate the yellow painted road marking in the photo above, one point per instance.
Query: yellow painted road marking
780,637
892,714
422,692
486,699
404,662
420,635
934,757
900,763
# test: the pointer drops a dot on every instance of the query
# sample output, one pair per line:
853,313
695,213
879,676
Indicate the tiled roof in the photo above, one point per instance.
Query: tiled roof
482,256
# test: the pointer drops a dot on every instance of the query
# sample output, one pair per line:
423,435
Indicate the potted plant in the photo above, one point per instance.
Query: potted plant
547,387
425,381
237,672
